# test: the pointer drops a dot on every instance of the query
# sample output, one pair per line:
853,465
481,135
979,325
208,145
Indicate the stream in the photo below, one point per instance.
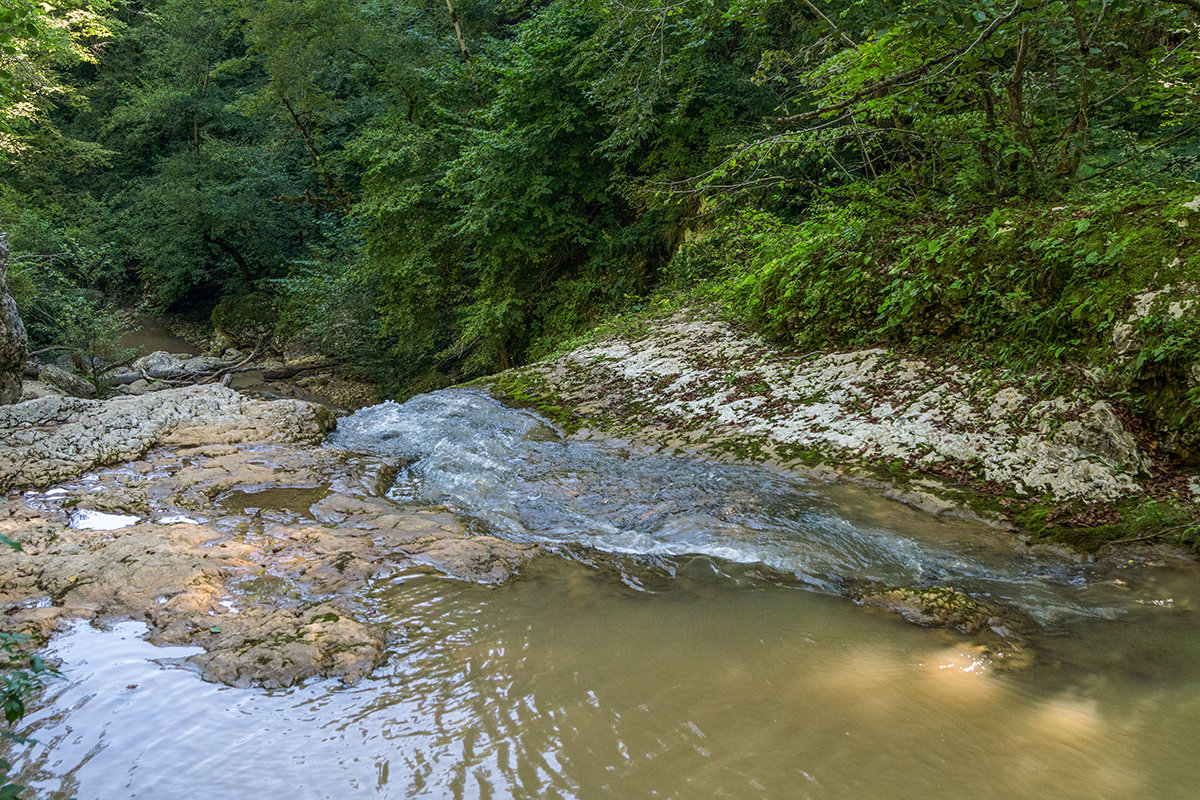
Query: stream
692,639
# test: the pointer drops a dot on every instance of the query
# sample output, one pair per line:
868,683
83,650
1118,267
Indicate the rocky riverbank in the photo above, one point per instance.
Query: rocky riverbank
945,437
214,518
223,520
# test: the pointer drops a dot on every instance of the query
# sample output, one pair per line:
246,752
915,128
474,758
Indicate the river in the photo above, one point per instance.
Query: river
689,638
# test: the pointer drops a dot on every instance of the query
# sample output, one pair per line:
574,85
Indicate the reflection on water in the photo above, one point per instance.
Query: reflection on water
568,685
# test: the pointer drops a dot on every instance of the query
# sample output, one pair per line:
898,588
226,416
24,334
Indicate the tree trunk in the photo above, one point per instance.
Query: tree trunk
14,344
1016,111
466,54
243,267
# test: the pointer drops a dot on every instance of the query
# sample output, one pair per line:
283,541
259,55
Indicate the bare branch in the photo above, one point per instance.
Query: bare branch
1142,152
830,23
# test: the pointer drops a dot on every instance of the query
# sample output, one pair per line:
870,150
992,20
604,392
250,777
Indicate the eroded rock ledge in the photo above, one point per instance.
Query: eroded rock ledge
245,539
694,382
55,438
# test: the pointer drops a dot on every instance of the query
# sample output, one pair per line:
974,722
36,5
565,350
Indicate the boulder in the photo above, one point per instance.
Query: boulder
70,383
14,343
244,321
162,365
159,364
932,606
32,390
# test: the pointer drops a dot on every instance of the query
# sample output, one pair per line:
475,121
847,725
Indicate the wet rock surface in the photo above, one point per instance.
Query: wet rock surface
932,606
998,635
218,530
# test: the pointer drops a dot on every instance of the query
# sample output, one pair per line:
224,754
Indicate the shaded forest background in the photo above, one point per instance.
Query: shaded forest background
434,190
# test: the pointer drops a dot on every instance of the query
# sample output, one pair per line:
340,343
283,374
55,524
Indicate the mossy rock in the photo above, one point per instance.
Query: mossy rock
1172,411
246,320
932,606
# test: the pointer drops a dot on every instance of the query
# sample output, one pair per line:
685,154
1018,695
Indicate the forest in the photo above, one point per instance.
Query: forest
434,191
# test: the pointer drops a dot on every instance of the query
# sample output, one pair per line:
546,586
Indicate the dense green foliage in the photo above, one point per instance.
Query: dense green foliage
434,190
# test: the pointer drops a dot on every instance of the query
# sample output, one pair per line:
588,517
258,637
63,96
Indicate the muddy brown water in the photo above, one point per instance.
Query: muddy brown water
688,642
151,335
568,685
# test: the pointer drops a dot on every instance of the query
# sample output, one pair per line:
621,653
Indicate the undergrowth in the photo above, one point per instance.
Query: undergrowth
1030,288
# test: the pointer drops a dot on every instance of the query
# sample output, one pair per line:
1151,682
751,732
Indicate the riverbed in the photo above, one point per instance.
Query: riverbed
690,631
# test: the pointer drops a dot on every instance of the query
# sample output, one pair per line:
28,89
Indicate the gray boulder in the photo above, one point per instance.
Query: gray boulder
161,364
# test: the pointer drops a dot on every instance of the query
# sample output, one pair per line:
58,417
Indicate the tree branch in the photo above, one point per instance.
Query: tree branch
1143,152
832,26
915,72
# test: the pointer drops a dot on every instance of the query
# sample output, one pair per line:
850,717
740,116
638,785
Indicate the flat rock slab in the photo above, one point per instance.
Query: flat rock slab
51,439
220,531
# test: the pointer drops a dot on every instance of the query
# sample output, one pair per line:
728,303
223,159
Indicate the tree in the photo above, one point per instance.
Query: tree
971,100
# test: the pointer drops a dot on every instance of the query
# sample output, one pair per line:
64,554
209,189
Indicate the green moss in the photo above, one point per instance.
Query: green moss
247,319
525,389
1126,521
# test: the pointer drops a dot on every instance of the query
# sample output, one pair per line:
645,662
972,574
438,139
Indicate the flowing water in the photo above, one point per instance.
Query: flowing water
692,643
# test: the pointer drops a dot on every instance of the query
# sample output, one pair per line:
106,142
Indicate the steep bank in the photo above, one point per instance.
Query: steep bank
947,437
